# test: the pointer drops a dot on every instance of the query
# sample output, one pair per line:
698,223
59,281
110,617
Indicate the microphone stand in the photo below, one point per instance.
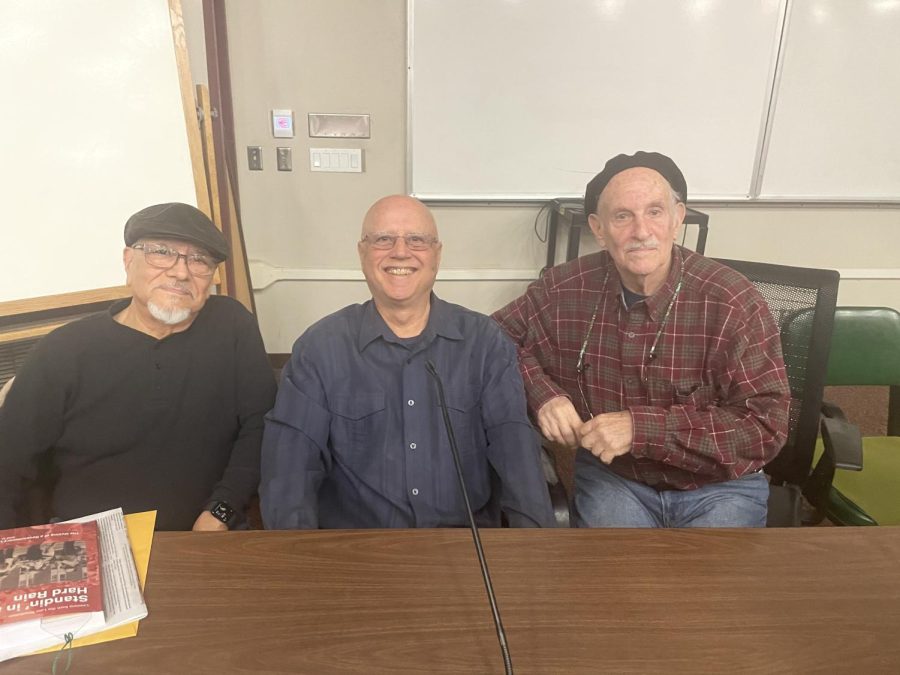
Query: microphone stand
485,574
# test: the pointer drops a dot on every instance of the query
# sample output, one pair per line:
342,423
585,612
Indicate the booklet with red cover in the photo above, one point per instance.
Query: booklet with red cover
50,582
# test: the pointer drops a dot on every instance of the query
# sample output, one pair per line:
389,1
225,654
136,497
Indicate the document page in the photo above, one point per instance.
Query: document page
122,597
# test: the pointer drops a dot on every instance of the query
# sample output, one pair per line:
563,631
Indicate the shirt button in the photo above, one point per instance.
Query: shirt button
410,402
412,446
415,491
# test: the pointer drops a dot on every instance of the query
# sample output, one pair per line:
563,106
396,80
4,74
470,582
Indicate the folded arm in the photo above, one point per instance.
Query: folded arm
725,430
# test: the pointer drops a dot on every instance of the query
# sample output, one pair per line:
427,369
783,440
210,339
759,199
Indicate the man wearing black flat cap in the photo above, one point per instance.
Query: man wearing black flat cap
662,367
155,404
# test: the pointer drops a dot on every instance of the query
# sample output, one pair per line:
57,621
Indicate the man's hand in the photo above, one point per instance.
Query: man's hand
207,522
559,422
607,436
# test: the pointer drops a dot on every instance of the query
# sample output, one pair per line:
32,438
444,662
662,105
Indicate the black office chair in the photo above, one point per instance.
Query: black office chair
802,302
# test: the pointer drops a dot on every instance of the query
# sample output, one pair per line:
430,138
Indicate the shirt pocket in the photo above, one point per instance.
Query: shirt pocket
664,394
357,421
464,408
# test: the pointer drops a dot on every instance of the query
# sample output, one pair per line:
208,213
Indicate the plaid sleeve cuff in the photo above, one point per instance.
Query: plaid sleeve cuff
649,425
539,391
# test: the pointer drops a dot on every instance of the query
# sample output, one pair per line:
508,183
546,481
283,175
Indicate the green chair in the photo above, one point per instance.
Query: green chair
865,350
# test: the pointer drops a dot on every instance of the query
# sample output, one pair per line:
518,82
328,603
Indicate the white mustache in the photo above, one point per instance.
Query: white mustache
183,288
650,245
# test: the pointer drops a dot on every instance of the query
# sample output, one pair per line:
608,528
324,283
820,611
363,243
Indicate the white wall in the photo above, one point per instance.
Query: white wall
349,56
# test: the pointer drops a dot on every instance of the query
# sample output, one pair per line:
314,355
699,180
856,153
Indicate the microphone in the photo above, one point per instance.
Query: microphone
485,574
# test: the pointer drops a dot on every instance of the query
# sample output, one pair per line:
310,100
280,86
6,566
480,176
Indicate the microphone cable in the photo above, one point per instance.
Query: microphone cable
485,574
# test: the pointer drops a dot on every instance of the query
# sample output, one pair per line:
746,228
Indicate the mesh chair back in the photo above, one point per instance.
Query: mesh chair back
802,302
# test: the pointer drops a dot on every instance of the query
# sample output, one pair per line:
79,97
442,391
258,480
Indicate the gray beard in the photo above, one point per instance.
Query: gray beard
171,316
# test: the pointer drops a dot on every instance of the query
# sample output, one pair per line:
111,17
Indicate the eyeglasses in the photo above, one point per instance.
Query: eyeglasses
414,242
157,255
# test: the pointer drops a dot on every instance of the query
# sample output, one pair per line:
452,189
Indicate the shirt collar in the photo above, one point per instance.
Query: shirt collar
656,304
440,322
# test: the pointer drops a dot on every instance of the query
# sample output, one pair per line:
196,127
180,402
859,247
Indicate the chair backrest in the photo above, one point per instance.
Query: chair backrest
802,302
865,350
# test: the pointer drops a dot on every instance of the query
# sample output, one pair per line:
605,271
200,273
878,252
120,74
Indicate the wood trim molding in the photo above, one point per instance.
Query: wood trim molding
30,332
189,106
222,152
52,302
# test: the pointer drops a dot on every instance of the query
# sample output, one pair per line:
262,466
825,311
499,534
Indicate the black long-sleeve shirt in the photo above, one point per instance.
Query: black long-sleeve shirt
132,421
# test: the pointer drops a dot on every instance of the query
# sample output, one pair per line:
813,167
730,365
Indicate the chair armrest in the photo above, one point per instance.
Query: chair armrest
842,440
843,449
832,411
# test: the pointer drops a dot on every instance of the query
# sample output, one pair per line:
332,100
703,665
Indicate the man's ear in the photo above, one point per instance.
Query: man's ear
597,228
680,212
439,247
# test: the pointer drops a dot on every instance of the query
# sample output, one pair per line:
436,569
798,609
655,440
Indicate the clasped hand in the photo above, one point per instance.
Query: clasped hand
606,436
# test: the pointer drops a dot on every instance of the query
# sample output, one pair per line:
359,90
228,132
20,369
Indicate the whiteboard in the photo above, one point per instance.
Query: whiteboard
528,98
91,129
835,133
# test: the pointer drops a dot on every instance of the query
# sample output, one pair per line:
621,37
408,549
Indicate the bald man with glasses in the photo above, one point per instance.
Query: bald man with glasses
157,403
356,438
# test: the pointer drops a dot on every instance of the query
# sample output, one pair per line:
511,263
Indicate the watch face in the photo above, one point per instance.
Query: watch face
223,512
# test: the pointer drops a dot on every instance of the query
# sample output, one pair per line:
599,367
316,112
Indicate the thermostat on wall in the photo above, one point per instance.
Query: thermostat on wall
283,123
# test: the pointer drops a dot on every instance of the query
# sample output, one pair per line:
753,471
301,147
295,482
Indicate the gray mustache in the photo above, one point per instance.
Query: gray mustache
650,245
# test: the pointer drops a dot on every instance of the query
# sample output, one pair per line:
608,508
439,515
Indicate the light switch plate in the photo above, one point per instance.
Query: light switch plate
254,157
283,159
336,160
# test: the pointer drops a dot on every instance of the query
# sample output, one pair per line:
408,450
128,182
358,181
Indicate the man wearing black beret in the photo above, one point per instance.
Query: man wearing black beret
663,367
155,404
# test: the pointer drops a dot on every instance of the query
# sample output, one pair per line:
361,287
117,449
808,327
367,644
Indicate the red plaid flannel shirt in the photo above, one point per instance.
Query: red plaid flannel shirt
711,406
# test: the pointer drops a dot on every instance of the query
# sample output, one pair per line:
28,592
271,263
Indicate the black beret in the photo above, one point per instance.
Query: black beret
177,221
651,160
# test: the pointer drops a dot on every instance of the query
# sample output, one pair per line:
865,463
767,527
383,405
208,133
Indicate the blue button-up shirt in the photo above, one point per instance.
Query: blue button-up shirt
356,438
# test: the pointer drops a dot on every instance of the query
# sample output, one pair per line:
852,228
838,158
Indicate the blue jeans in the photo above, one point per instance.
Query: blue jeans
604,499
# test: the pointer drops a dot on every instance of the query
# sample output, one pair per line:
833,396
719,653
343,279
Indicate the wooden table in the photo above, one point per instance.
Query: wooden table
573,601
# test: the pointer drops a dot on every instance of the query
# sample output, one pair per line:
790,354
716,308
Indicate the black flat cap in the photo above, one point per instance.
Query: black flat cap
651,160
177,221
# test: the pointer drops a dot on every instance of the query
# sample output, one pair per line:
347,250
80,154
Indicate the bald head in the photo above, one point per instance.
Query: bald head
395,210
400,254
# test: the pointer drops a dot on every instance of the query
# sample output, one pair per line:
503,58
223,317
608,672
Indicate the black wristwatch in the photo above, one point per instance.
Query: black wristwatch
223,511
